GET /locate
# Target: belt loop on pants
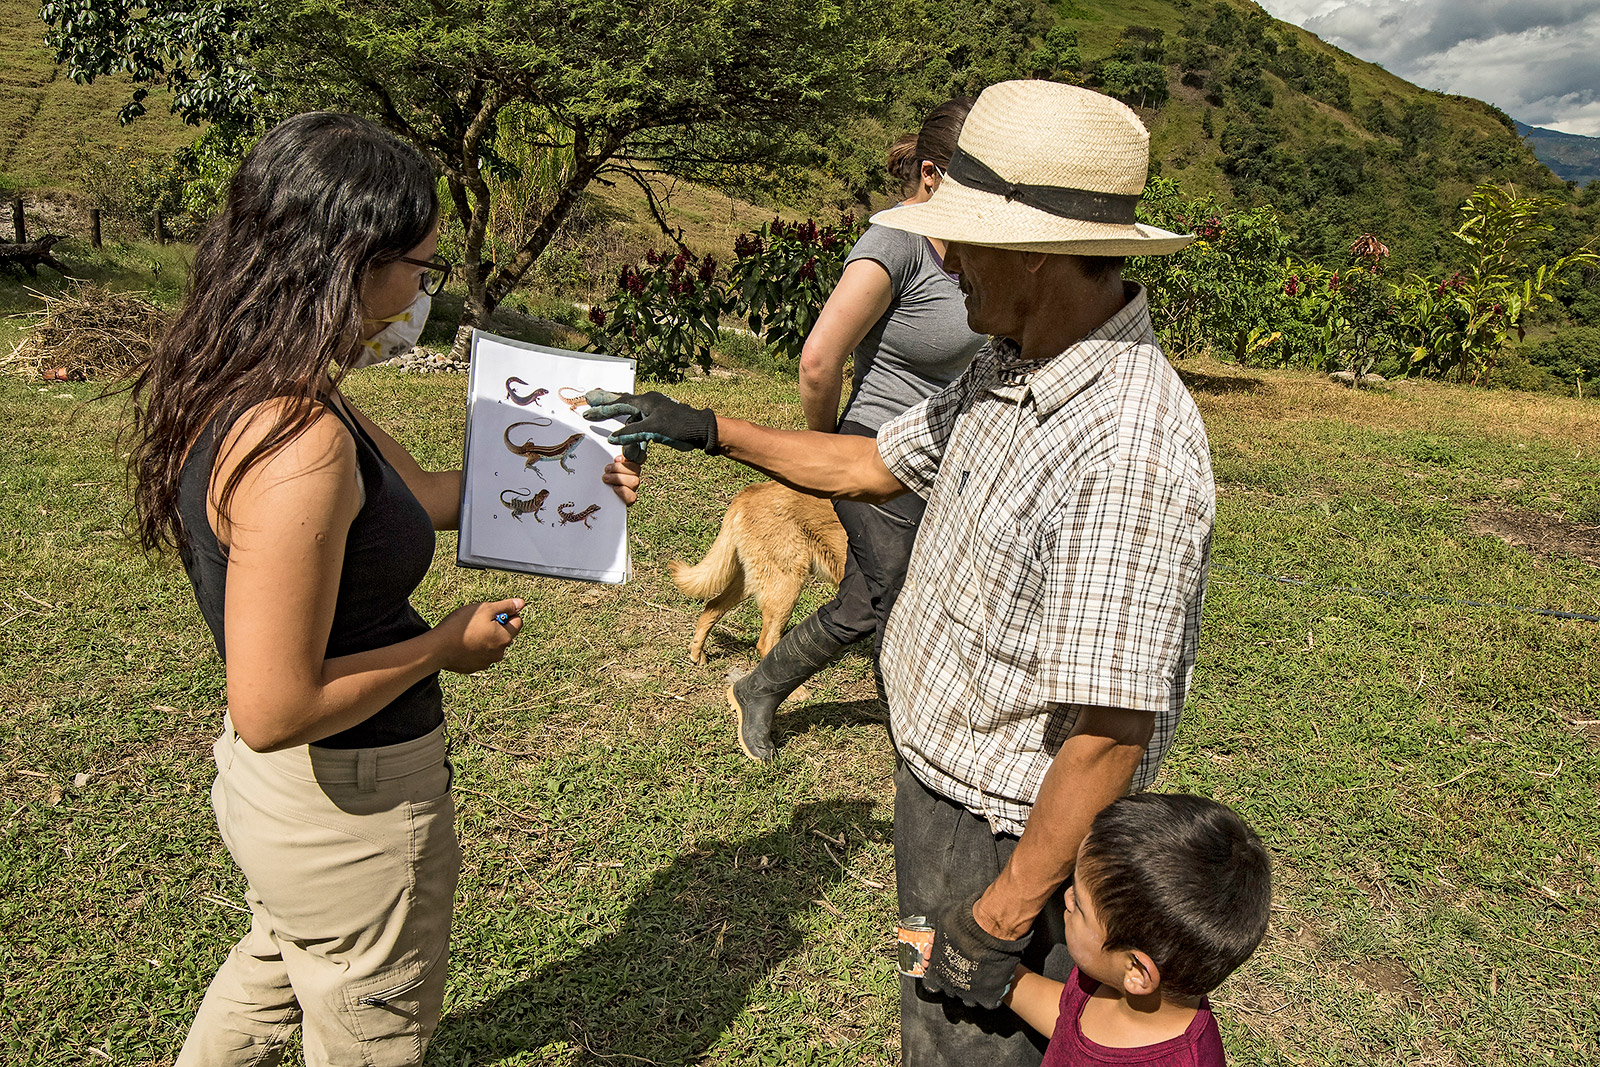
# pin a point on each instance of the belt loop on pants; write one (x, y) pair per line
(367, 770)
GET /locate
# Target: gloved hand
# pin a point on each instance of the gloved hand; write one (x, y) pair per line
(969, 963)
(654, 417)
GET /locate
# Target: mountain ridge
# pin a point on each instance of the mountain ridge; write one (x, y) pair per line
(1571, 157)
(1240, 106)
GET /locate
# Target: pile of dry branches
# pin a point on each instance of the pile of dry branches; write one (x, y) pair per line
(88, 332)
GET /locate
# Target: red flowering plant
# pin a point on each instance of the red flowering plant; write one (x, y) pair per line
(782, 274)
(664, 314)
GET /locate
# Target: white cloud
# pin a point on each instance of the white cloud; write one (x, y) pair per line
(1534, 59)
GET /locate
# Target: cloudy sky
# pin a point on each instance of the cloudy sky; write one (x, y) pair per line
(1538, 60)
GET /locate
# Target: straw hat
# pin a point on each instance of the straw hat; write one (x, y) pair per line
(1043, 167)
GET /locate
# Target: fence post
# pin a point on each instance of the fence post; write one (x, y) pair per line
(18, 222)
(161, 233)
(94, 227)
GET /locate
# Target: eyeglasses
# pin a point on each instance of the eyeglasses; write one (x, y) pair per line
(435, 276)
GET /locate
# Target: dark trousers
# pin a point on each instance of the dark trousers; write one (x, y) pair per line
(943, 854)
(881, 536)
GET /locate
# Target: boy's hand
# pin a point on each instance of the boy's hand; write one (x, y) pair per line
(968, 962)
(622, 475)
(654, 417)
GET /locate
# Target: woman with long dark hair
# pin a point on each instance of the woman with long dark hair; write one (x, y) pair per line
(304, 530)
(903, 320)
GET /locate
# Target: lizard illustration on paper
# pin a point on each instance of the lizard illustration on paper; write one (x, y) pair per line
(522, 504)
(576, 401)
(523, 400)
(582, 516)
(533, 453)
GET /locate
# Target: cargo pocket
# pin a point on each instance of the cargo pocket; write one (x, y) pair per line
(387, 1014)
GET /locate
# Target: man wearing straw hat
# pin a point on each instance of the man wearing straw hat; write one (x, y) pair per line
(1037, 660)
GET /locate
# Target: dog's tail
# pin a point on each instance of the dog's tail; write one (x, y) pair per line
(716, 571)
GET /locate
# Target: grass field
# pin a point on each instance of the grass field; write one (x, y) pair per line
(636, 892)
(48, 124)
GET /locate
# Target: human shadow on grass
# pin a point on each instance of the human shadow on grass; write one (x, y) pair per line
(689, 950)
(791, 723)
(1218, 384)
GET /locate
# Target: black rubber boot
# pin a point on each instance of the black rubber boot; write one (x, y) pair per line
(804, 651)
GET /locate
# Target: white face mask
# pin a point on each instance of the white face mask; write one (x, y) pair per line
(398, 337)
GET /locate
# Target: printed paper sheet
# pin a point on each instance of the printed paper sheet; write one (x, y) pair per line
(532, 498)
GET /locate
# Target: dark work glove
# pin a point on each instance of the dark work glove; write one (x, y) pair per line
(969, 963)
(654, 417)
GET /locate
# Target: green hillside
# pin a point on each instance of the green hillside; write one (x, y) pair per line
(1239, 105)
(48, 125)
(1260, 111)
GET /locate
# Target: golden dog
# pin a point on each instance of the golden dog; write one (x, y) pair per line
(772, 539)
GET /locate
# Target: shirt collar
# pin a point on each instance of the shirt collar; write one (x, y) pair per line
(1063, 377)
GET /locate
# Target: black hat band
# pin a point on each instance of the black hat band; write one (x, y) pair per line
(1080, 204)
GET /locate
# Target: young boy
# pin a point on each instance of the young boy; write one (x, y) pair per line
(1170, 894)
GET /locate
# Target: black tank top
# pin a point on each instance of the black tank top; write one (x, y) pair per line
(387, 553)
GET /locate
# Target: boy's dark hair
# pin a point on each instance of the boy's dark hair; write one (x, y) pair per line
(1182, 879)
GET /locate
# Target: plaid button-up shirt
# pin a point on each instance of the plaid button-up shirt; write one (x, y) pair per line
(1061, 562)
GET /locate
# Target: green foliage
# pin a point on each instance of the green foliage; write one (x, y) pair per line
(1140, 82)
(1460, 324)
(495, 92)
(782, 275)
(607, 88)
(129, 184)
(1236, 291)
(971, 44)
(211, 163)
(1224, 285)
(1058, 56)
(1316, 74)
(1569, 357)
(197, 49)
(663, 314)
(1135, 72)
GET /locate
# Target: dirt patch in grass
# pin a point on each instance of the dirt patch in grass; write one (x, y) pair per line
(1543, 535)
(1387, 976)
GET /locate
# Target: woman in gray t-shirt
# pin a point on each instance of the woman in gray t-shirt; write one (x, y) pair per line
(905, 322)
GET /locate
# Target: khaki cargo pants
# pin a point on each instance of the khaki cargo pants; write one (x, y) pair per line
(352, 861)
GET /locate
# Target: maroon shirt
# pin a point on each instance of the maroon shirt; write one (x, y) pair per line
(1198, 1046)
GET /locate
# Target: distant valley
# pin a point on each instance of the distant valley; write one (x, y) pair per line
(1571, 157)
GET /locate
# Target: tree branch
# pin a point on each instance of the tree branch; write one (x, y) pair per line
(657, 211)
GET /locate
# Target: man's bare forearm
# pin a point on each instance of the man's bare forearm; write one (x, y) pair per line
(1092, 769)
(838, 466)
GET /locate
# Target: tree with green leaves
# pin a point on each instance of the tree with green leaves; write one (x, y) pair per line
(1461, 324)
(606, 89)
(197, 49)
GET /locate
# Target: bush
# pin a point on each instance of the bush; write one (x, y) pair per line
(663, 315)
(1224, 291)
(129, 184)
(1515, 372)
(1570, 357)
(782, 275)
(665, 312)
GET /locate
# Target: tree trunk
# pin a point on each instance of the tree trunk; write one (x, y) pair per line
(30, 257)
(489, 283)
(508, 275)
